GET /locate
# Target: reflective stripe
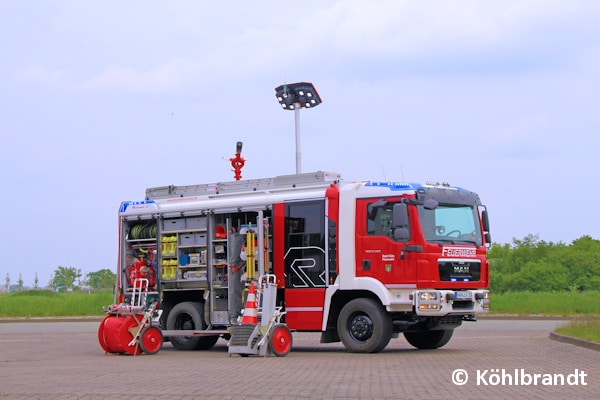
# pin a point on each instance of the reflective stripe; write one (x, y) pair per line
(298, 309)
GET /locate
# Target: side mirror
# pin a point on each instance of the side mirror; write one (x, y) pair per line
(400, 222)
(401, 234)
(488, 238)
(486, 227)
(400, 216)
(486, 221)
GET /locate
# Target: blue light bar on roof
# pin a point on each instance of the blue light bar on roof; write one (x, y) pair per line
(391, 185)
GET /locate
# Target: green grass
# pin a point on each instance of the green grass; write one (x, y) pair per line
(546, 303)
(45, 303)
(587, 330)
(569, 304)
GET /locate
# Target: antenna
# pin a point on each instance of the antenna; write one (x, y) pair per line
(383, 172)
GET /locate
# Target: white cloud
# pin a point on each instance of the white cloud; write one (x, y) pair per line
(161, 78)
(38, 75)
(182, 45)
(414, 28)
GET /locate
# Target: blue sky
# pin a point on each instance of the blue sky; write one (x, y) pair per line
(101, 99)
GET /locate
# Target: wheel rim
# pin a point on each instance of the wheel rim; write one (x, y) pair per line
(360, 327)
(185, 322)
(151, 340)
(281, 340)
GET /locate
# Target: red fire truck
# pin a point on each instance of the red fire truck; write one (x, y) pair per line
(360, 262)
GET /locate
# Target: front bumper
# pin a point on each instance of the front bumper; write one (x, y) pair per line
(433, 302)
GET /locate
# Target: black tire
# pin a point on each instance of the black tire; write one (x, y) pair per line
(189, 316)
(364, 326)
(429, 339)
(206, 342)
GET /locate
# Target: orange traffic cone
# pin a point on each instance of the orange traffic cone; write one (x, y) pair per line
(250, 316)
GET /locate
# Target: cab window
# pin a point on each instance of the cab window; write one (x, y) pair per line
(379, 219)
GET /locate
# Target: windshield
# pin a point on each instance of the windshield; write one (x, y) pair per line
(450, 223)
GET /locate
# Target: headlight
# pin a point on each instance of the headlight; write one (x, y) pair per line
(484, 298)
(486, 301)
(428, 296)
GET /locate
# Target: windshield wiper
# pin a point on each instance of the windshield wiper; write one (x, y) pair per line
(453, 241)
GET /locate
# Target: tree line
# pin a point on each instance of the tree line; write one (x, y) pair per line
(69, 279)
(531, 264)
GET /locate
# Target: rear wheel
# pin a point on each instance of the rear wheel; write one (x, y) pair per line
(206, 342)
(189, 316)
(364, 326)
(429, 339)
(280, 340)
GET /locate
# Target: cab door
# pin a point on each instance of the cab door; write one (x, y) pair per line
(378, 253)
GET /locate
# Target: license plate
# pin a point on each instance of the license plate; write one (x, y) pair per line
(463, 295)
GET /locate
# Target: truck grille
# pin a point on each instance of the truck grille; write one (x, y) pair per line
(459, 271)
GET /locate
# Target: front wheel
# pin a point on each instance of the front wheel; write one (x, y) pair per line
(364, 326)
(429, 339)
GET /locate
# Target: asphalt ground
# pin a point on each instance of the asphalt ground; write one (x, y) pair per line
(510, 359)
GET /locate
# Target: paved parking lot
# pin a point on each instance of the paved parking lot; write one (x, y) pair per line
(500, 359)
